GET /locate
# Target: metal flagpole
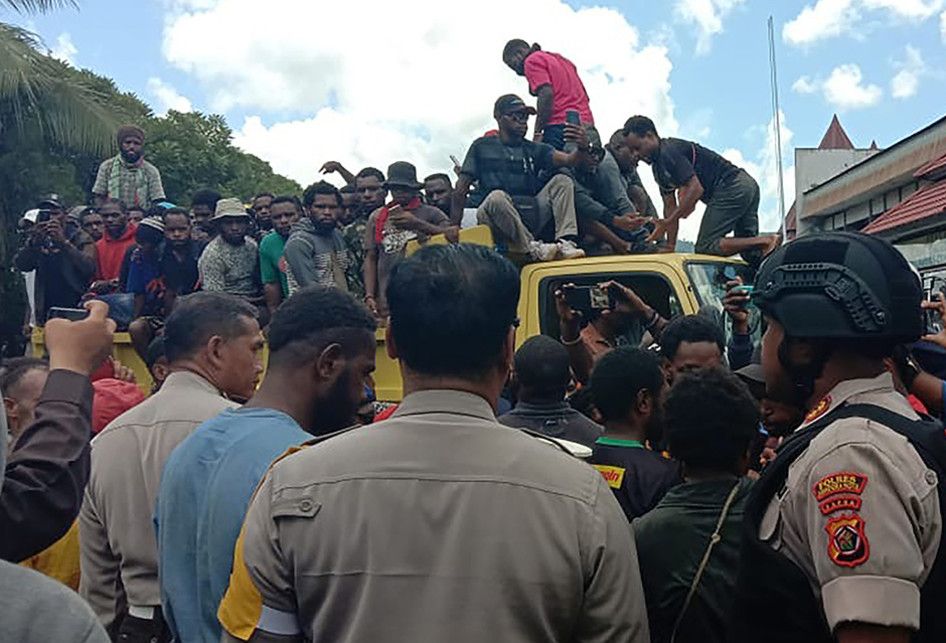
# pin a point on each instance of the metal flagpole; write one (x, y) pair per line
(777, 120)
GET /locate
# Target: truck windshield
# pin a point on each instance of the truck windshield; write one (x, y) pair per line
(709, 282)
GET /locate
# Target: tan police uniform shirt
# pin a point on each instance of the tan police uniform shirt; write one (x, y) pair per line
(438, 524)
(118, 550)
(859, 513)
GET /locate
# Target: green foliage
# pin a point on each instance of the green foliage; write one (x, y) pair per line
(194, 150)
(57, 124)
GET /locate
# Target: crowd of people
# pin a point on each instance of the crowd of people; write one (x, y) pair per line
(636, 478)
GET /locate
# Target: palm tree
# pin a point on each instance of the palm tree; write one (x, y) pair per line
(70, 113)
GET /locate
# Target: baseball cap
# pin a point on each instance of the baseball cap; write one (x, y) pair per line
(50, 201)
(510, 103)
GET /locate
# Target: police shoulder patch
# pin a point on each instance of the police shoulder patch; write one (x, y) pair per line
(847, 541)
(614, 476)
(842, 482)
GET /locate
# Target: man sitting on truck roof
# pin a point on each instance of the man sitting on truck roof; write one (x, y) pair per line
(519, 206)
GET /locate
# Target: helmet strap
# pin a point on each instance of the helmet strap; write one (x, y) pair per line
(804, 376)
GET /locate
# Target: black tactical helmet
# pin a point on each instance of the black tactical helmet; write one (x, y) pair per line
(841, 285)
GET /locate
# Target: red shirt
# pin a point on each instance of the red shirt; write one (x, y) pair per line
(112, 252)
(545, 68)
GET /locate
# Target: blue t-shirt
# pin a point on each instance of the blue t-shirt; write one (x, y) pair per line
(144, 278)
(206, 488)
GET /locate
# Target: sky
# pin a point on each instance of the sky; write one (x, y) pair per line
(302, 82)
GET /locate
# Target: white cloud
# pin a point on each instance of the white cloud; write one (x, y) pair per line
(824, 19)
(167, 97)
(907, 80)
(909, 9)
(707, 16)
(831, 18)
(417, 85)
(763, 167)
(845, 89)
(805, 85)
(65, 50)
(942, 26)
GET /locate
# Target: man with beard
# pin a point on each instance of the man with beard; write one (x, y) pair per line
(627, 387)
(230, 263)
(322, 350)
(843, 530)
(284, 212)
(522, 205)
(128, 177)
(203, 206)
(439, 191)
(315, 252)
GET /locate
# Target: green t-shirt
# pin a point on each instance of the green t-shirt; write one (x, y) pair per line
(272, 265)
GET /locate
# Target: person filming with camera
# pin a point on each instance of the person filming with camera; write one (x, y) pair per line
(62, 255)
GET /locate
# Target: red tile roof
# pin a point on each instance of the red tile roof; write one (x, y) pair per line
(835, 138)
(931, 167)
(924, 203)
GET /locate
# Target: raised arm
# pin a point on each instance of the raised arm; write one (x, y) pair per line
(458, 200)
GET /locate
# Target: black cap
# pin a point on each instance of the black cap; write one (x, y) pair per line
(50, 202)
(509, 104)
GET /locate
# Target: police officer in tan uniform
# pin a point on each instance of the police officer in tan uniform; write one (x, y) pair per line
(843, 529)
(438, 524)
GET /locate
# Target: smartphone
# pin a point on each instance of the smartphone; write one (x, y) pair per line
(586, 299)
(44, 216)
(72, 314)
(931, 319)
(572, 117)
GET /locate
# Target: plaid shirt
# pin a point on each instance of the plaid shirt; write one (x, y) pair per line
(138, 184)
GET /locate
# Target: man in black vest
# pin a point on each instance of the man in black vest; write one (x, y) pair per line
(842, 532)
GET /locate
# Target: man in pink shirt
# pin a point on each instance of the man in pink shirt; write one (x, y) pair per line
(554, 81)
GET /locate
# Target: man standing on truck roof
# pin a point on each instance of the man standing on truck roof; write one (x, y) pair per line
(688, 172)
(518, 207)
(508, 532)
(554, 81)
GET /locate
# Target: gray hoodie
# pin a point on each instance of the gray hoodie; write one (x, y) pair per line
(315, 259)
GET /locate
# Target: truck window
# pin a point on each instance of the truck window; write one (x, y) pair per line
(651, 287)
(709, 283)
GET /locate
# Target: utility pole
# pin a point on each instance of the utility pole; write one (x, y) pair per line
(777, 120)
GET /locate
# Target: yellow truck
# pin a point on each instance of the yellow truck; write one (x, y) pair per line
(672, 283)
